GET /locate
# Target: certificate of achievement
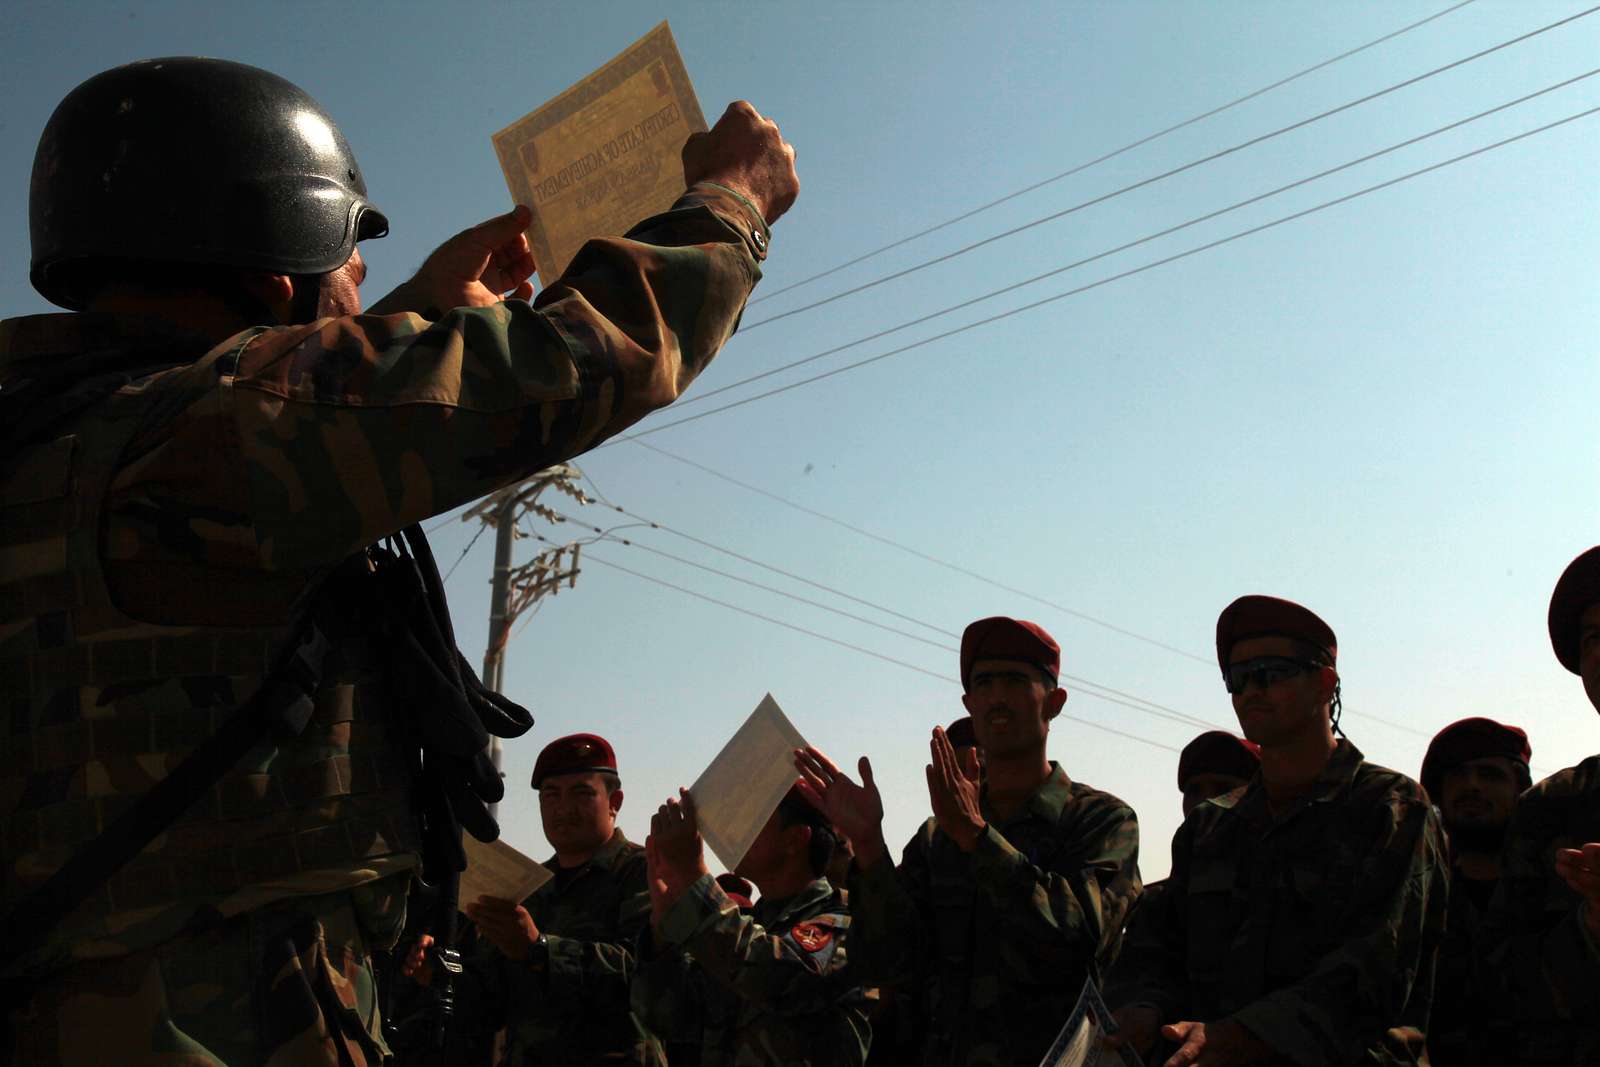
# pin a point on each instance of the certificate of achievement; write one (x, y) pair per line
(1078, 1043)
(498, 870)
(743, 786)
(604, 154)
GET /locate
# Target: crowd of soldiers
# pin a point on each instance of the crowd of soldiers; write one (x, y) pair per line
(238, 727)
(1320, 910)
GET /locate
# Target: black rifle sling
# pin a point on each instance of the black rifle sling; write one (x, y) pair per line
(282, 703)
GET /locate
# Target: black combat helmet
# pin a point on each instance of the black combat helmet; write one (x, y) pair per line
(188, 160)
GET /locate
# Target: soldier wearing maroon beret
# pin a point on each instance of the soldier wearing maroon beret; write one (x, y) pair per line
(1303, 913)
(1542, 934)
(1215, 763)
(1019, 884)
(559, 965)
(1473, 771)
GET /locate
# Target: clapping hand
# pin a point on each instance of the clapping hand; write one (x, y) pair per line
(857, 810)
(953, 791)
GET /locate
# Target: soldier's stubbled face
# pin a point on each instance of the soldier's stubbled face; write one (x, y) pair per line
(1288, 709)
(1589, 652)
(1476, 801)
(578, 813)
(1011, 705)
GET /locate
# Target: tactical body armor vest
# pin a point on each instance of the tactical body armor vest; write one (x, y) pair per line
(100, 705)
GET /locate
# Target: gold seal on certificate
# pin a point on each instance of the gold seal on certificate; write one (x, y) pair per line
(605, 153)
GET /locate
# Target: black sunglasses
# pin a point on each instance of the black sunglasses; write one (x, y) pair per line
(1264, 671)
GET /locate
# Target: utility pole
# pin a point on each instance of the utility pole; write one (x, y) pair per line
(515, 589)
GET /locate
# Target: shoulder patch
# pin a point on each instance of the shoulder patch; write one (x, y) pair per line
(813, 937)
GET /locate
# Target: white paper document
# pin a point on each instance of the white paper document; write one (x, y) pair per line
(743, 786)
(498, 870)
(1078, 1043)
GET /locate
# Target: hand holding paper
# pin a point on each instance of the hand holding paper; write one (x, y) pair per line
(506, 925)
(745, 152)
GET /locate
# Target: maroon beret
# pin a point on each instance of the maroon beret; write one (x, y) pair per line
(999, 637)
(1218, 752)
(1471, 739)
(738, 888)
(960, 733)
(574, 754)
(1576, 592)
(1267, 616)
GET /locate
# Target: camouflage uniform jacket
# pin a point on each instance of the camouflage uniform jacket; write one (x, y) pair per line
(1541, 969)
(771, 988)
(572, 1008)
(155, 543)
(1316, 928)
(1455, 1026)
(1008, 933)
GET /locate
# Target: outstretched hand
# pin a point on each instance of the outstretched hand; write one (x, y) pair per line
(856, 810)
(1223, 1043)
(477, 267)
(745, 152)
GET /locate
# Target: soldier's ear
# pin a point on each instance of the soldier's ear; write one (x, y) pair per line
(275, 292)
(616, 801)
(1054, 701)
(801, 841)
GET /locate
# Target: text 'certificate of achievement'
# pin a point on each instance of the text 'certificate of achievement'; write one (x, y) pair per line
(605, 154)
(498, 870)
(1078, 1043)
(741, 789)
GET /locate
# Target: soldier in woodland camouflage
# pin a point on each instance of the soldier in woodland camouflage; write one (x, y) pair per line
(1015, 890)
(1540, 969)
(186, 458)
(1303, 914)
(1473, 771)
(768, 988)
(555, 969)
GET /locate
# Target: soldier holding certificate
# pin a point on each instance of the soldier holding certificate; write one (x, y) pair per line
(558, 972)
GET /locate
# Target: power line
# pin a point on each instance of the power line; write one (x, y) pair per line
(1091, 687)
(1251, 231)
(852, 647)
(1113, 154)
(1163, 175)
(986, 579)
(1167, 232)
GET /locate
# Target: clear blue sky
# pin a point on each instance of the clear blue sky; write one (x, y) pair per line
(1386, 410)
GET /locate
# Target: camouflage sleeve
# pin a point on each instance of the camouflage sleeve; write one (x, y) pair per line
(373, 422)
(1539, 965)
(592, 977)
(668, 994)
(794, 973)
(1150, 969)
(1355, 994)
(889, 907)
(1065, 921)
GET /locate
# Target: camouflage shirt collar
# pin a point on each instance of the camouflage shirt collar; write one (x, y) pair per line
(56, 337)
(1045, 802)
(605, 856)
(1336, 777)
(777, 912)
